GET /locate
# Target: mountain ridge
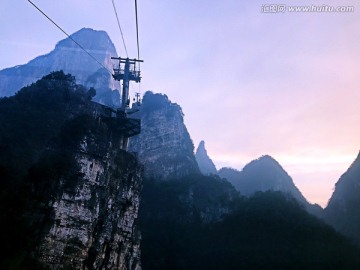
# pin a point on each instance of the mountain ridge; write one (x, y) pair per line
(343, 211)
(264, 174)
(70, 58)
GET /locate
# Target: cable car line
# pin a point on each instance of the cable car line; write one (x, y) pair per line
(137, 39)
(118, 21)
(62, 30)
(137, 29)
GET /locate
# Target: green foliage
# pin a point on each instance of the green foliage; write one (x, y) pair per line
(190, 199)
(153, 102)
(41, 128)
(265, 231)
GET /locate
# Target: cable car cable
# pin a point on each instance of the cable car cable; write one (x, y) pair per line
(118, 21)
(137, 39)
(137, 29)
(62, 30)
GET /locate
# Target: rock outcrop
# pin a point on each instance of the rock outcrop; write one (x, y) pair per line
(70, 58)
(206, 165)
(164, 145)
(94, 221)
(75, 193)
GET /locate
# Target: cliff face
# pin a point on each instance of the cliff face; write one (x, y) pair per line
(206, 165)
(67, 56)
(93, 224)
(164, 145)
(73, 194)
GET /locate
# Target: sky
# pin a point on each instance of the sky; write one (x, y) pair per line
(250, 82)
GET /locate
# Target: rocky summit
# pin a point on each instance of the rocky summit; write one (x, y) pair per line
(206, 165)
(164, 145)
(70, 58)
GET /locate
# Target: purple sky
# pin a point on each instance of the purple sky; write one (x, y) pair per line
(250, 83)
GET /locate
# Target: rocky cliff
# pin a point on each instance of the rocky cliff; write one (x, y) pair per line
(206, 165)
(164, 145)
(70, 58)
(93, 223)
(74, 193)
(343, 210)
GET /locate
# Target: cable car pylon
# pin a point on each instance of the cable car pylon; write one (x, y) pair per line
(127, 70)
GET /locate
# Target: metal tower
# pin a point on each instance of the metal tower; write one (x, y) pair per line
(127, 70)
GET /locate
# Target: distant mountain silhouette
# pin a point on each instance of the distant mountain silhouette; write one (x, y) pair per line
(231, 175)
(343, 209)
(206, 165)
(67, 56)
(264, 174)
(181, 229)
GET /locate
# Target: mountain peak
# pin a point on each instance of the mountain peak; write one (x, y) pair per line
(69, 57)
(164, 145)
(88, 38)
(267, 159)
(206, 165)
(201, 145)
(262, 174)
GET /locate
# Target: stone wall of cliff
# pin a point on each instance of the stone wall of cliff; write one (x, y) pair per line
(93, 221)
(69, 196)
(164, 145)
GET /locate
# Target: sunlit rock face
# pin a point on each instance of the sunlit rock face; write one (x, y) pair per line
(343, 211)
(70, 58)
(206, 165)
(94, 217)
(164, 145)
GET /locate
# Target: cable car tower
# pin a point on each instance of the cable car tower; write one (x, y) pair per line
(127, 70)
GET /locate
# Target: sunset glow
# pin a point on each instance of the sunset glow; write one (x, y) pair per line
(249, 82)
